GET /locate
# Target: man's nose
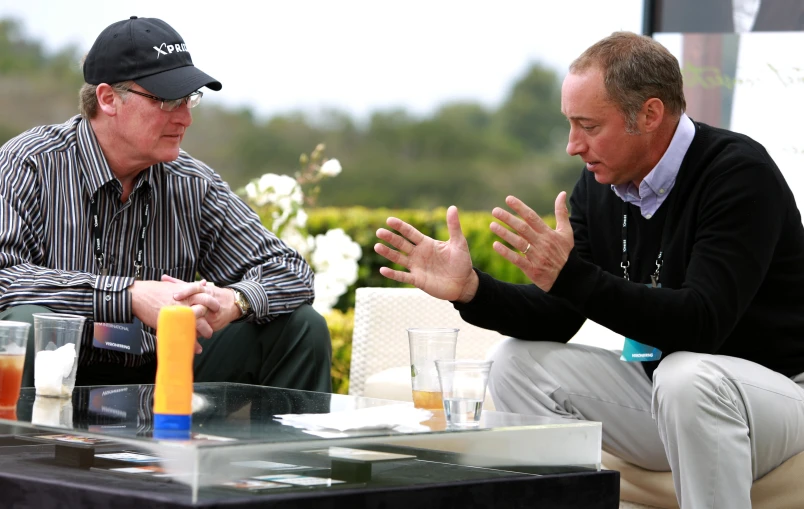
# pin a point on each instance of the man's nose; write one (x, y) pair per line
(182, 115)
(575, 144)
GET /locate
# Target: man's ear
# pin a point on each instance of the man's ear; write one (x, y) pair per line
(652, 114)
(108, 100)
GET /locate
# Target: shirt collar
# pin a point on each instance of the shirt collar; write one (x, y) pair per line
(663, 175)
(95, 167)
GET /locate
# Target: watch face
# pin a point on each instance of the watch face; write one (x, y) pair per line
(241, 302)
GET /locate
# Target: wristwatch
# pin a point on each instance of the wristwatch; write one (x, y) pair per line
(241, 302)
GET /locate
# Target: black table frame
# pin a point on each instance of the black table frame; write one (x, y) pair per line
(31, 477)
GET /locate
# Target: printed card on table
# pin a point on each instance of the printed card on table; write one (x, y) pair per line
(72, 439)
(150, 469)
(269, 465)
(346, 453)
(253, 485)
(300, 480)
(129, 457)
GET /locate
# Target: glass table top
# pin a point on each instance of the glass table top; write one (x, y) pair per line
(228, 412)
(235, 427)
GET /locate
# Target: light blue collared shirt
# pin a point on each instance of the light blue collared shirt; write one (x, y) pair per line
(655, 187)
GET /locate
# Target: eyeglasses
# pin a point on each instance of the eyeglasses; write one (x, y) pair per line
(192, 100)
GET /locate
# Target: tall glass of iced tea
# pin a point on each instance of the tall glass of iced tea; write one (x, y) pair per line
(427, 346)
(13, 342)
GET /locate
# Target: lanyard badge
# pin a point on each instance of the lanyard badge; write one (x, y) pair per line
(122, 337)
(97, 238)
(634, 351)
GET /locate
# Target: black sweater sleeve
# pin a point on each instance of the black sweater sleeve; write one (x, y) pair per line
(525, 311)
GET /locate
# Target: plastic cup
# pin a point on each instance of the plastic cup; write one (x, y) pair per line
(463, 386)
(13, 342)
(427, 346)
(57, 340)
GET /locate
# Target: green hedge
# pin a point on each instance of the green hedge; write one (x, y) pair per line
(340, 327)
(361, 224)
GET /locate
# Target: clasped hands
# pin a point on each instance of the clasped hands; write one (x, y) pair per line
(444, 269)
(214, 307)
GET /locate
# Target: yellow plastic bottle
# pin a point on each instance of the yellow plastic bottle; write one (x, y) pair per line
(173, 393)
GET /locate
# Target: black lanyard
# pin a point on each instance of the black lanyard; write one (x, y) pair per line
(625, 264)
(97, 237)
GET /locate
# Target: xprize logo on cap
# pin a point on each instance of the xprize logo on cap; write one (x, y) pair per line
(169, 48)
(137, 49)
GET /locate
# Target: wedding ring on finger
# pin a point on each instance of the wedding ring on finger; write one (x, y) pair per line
(526, 250)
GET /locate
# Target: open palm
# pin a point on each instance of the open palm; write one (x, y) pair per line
(441, 269)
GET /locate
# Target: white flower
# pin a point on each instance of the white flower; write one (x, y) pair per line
(327, 292)
(297, 240)
(331, 168)
(301, 218)
(335, 260)
(334, 248)
(333, 256)
(281, 190)
(251, 191)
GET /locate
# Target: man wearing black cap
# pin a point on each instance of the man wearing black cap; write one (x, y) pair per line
(105, 217)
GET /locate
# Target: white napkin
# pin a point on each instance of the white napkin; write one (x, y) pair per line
(56, 412)
(51, 367)
(403, 418)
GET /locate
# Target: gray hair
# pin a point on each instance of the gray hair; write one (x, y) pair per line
(88, 99)
(635, 68)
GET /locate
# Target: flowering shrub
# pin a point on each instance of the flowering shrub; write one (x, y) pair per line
(333, 255)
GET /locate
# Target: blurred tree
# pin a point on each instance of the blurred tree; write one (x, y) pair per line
(16, 53)
(532, 112)
(464, 153)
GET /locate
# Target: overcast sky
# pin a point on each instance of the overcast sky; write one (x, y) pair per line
(358, 56)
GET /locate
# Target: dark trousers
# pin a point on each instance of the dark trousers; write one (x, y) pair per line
(292, 351)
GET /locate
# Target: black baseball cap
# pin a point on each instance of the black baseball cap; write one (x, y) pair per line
(149, 52)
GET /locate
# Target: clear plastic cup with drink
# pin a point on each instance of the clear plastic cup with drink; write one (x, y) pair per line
(427, 346)
(13, 342)
(463, 386)
(57, 341)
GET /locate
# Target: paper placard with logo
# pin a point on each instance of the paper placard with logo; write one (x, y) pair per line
(123, 337)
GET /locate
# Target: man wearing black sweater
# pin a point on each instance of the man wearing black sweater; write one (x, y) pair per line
(683, 238)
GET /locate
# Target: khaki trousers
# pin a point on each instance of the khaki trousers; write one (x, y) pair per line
(717, 422)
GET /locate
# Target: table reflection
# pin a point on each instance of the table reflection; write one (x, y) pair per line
(229, 410)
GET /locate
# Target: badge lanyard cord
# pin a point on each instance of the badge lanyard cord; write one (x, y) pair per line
(97, 237)
(625, 264)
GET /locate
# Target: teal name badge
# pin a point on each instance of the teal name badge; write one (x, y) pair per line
(634, 351)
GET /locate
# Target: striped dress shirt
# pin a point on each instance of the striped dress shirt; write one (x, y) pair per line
(198, 227)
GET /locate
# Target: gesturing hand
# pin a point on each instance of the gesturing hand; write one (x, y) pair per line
(441, 269)
(544, 250)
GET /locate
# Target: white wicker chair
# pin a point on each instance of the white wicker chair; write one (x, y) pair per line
(381, 369)
(380, 341)
(380, 356)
